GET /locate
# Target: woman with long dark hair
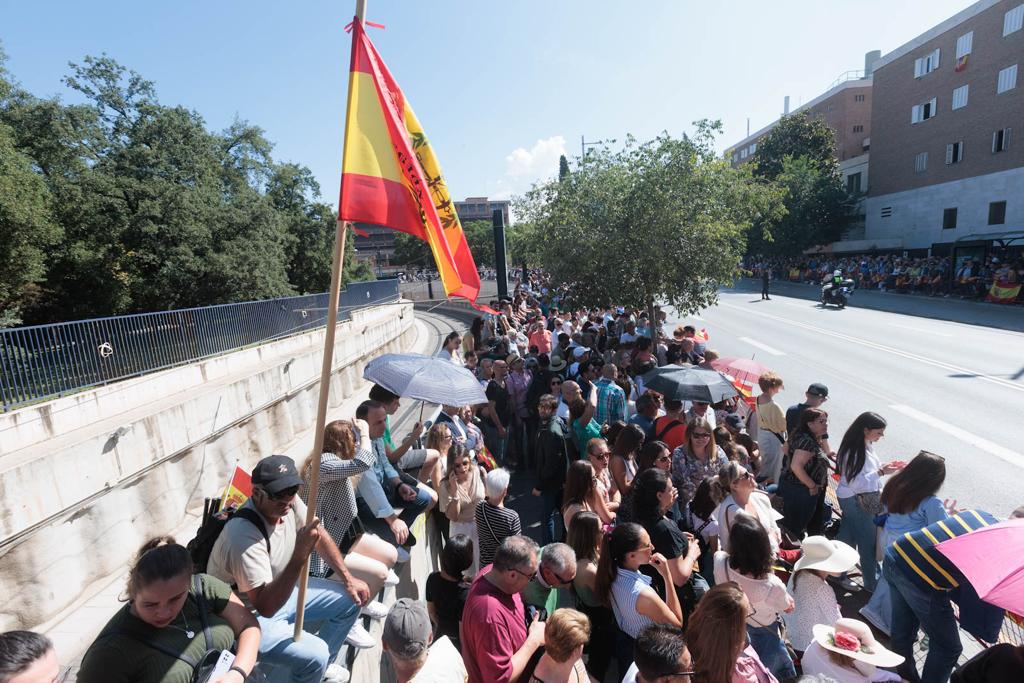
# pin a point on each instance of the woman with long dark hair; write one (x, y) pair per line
(860, 490)
(621, 585)
(473, 339)
(450, 348)
(804, 472)
(717, 639)
(625, 447)
(585, 535)
(748, 562)
(581, 493)
(911, 503)
(654, 496)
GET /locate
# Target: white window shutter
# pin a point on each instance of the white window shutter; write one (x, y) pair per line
(914, 114)
(935, 59)
(995, 139)
(934, 109)
(949, 154)
(918, 67)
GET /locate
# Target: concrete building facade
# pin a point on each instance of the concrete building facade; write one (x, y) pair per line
(947, 170)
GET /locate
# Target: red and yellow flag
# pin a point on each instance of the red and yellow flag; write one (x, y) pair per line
(1003, 292)
(390, 176)
(238, 489)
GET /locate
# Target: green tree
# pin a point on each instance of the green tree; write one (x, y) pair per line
(563, 168)
(663, 220)
(412, 252)
(796, 135)
(799, 156)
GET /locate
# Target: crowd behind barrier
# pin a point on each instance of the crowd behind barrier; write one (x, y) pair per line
(681, 539)
(992, 278)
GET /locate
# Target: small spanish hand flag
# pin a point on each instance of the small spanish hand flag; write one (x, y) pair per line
(390, 176)
(238, 489)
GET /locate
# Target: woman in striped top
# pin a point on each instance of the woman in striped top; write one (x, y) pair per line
(620, 584)
(495, 522)
(346, 455)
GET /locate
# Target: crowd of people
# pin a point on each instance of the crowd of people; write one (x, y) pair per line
(931, 275)
(679, 541)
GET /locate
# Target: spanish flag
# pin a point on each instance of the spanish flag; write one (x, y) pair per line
(1003, 292)
(238, 489)
(390, 176)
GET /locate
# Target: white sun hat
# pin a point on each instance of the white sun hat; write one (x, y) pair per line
(825, 555)
(854, 639)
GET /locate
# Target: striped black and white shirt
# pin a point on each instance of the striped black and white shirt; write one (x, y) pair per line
(493, 525)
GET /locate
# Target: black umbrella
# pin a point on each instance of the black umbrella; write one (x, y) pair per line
(687, 383)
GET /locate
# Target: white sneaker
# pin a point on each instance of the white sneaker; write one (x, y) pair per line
(360, 638)
(392, 579)
(403, 555)
(336, 673)
(375, 610)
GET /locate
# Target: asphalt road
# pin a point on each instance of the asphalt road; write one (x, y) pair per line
(951, 388)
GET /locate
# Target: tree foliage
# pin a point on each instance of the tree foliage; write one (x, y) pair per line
(139, 206)
(799, 156)
(663, 220)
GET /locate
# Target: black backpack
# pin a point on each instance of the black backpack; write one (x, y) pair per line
(214, 521)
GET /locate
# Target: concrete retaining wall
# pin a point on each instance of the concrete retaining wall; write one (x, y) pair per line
(85, 479)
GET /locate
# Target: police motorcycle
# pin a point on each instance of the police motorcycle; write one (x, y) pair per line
(837, 290)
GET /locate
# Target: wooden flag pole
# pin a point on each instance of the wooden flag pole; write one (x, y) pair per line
(325, 370)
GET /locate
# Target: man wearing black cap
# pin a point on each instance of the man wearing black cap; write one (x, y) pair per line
(264, 565)
(814, 397)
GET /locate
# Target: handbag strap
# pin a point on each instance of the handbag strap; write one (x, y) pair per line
(489, 529)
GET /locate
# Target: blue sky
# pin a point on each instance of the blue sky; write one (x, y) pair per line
(502, 88)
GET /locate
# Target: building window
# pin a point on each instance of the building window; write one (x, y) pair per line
(886, 211)
(753, 147)
(1013, 20)
(858, 129)
(997, 213)
(921, 162)
(744, 153)
(955, 152)
(735, 158)
(949, 219)
(858, 98)
(1007, 79)
(960, 97)
(923, 112)
(964, 44)
(853, 183)
(927, 64)
(1000, 140)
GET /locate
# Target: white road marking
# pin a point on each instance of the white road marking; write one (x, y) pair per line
(995, 449)
(921, 329)
(1007, 384)
(763, 347)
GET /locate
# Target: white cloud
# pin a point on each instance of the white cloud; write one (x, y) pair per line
(524, 167)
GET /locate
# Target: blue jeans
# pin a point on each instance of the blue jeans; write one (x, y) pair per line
(550, 518)
(879, 608)
(496, 444)
(798, 506)
(913, 606)
(767, 643)
(330, 613)
(858, 529)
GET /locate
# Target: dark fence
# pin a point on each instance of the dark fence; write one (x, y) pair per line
(47, 361)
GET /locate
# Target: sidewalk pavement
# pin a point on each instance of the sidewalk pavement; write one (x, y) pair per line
(952, 308)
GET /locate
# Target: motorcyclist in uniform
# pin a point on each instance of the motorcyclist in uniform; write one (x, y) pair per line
(831, 283)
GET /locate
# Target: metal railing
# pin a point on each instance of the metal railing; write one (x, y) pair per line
(40, 362)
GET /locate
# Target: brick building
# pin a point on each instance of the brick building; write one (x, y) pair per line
(947, 169)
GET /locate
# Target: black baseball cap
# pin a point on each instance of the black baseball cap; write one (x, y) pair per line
(817, 389)
(275, 473)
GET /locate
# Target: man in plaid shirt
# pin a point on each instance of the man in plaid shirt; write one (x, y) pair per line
(611, 399)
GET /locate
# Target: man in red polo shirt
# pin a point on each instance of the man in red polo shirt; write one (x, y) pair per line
(496, 643)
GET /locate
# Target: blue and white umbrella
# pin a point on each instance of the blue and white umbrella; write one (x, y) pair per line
(425, 378)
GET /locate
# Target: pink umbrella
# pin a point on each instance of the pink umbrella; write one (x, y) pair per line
(992, 559)
(742, 369)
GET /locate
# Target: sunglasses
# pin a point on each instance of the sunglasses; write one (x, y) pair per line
(281, 495)
(556, 383)
(701, 435)
(600, 456)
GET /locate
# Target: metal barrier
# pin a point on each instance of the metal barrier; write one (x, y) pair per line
(47, 361)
